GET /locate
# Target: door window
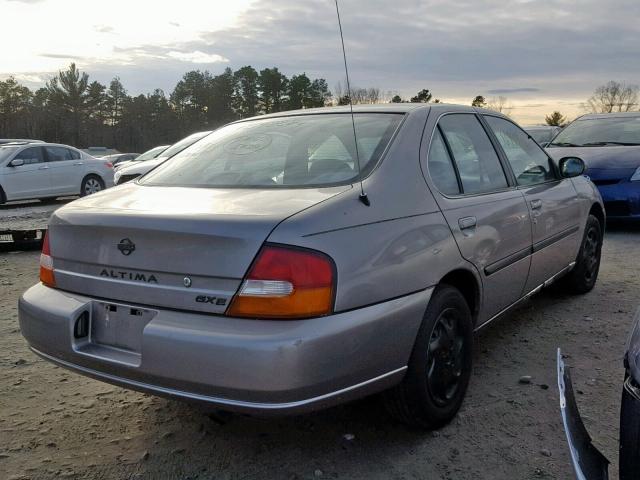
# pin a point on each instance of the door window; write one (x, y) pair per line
(58, 154)
(477, 161)
(441, 167)
(30, 155)
(528, 161)
(75, 155)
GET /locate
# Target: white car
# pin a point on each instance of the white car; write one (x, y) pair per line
(50, 170)
(136, 168)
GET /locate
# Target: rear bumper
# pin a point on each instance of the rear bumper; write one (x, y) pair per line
(236, 364)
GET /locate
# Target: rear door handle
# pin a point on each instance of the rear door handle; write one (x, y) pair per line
(43, 168)
(466, 223)
(536, 204)
(79, 163)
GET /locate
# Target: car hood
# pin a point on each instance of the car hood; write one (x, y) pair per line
(601, 157)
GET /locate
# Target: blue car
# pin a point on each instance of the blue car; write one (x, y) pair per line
(609, 144)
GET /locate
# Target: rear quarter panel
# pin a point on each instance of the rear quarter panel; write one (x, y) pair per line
(398, 245)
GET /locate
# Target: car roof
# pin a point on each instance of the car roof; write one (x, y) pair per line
(378, 108)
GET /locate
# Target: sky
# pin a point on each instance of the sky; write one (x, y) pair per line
(543, 55)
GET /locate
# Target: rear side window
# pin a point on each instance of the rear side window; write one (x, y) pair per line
(285, 152)
(30, 155)
(58, 154)
(441, 167)
(478, 164)
(529, 163)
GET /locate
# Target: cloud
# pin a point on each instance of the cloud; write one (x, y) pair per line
(103, 29)
(60, 55)
(507, 91)
(197, 57)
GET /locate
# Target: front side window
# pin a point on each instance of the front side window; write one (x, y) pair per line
(285, 152)
(477, 161)
(30, 155)
(529, 163)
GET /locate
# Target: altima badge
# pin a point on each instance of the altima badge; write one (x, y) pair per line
(187, 282)
(126, 247)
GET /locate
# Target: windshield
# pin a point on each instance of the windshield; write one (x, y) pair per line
(182, 144)
(296, 151)
(153, 153)
(5, 152)
(541, 135)
(595, 132)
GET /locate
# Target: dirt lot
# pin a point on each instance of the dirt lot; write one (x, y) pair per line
(54, 423)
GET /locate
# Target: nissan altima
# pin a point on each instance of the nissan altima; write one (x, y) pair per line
(298, 260)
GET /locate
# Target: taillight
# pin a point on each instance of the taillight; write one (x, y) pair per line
(286, 283)
(46, 263)
(108, 164)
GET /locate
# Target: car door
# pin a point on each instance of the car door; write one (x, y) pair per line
(29, 180)
(486, 213)
(66, 169)
(552, 201)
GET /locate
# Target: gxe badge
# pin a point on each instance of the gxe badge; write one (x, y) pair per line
(126, 246)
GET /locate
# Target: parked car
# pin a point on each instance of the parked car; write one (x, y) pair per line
(137, 169)
(588, 462)
(254, 271)
(148, 155)
(18, 140)
(50, 170)
(609, 144)
(117, 158)
(543, 134)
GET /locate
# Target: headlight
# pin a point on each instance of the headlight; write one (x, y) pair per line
(117, 176)
(636, 176)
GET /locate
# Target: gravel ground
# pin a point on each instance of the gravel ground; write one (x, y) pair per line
(29, 214)
(56, 424)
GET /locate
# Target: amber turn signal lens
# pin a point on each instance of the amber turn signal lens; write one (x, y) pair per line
(46, 263)
(286, 283)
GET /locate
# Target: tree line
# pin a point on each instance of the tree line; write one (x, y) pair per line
(72, 109)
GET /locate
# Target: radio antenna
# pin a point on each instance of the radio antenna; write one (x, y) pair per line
(363, 196)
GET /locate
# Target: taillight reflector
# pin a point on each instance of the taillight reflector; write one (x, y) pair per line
(46, 263)
(286, 283)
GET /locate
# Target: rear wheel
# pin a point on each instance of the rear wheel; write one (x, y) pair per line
(583, 277)
(3, 198)
(91, 184)
(439, 369)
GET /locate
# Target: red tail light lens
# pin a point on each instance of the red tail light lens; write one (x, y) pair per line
(46, 263)
(108, 164)
(286, 283)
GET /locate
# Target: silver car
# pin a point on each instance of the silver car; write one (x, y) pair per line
(253, 271)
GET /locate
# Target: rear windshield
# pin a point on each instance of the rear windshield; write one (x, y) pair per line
(596, 132)
(296, 151)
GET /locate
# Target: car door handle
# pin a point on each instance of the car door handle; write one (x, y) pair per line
(79, 163)
(466, 223)
(536, 204)
(45, 167)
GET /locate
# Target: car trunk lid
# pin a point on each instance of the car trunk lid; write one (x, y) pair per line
(182, 248)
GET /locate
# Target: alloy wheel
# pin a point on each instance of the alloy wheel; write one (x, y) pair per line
(445, 357)
(92, 185)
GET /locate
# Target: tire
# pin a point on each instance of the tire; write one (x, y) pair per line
(583, 277)
(3, 197)
(629, 433)
(91, 184)
(420, 400)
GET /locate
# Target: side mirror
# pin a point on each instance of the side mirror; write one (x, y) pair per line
(571, 167)
(18, 162)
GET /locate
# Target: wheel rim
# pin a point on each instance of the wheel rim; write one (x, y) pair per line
(445, 357)
(92, 186)
(591, 253)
